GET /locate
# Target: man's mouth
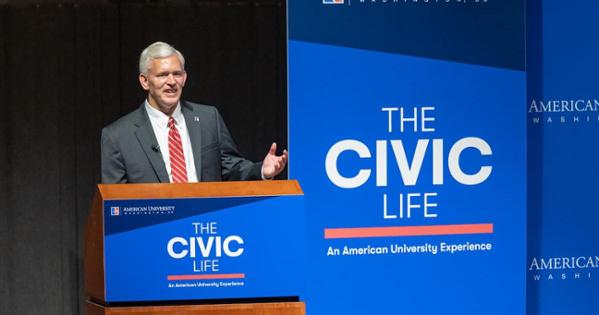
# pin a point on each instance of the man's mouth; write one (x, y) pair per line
(170, 91)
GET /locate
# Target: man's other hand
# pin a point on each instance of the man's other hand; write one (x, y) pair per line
(274, 164)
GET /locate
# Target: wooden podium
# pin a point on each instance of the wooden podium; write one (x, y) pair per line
(286, 308)
(94, 252)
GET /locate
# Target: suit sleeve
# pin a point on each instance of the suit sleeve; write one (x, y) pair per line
(233, 165)
(112, 165)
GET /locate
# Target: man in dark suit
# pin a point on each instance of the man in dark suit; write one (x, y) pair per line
(169, 140)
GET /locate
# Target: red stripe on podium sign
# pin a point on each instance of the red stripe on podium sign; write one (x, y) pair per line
(208, 276)
(424, 230)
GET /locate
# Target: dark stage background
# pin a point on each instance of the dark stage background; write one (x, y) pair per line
(69, 69)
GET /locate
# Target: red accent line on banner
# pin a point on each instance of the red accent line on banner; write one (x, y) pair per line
(207, 276)
(424, 230)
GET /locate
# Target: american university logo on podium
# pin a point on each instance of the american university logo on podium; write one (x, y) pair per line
(115, 211)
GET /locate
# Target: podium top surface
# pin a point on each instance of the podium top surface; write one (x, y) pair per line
(203, 189)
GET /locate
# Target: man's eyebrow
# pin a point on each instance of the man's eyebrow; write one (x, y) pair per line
(173, 72)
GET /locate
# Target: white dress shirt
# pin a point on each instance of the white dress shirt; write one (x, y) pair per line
(159, 122)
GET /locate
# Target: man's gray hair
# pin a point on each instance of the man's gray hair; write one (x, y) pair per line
(158, 50)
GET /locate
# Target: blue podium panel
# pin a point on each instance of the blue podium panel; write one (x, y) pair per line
(203, 248)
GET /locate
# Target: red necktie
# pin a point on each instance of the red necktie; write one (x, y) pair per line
(175, 152)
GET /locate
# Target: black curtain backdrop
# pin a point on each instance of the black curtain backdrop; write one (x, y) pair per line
(67, 70)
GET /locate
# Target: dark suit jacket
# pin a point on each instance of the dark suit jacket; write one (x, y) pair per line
(130, 152)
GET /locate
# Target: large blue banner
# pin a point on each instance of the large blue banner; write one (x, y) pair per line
(203, 248)
(408, 137)
(563, 126)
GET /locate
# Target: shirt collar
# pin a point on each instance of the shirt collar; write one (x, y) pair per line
(161, 118)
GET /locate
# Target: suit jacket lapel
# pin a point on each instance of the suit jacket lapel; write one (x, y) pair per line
(147, 139)
(192, 121)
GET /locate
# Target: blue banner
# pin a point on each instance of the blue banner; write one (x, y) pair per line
(203, 248)
(563, 137)
(409, 140)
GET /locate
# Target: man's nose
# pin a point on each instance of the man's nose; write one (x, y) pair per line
(170, 80)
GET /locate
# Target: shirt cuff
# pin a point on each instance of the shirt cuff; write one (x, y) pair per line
(262, 173)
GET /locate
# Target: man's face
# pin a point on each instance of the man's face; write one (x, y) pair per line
(164, 82)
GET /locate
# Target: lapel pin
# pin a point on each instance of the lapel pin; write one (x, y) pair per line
(196, 118)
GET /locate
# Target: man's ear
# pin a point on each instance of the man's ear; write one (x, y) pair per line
(184, 79)
(143, 81)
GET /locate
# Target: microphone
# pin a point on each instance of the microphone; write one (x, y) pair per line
(155, 148)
